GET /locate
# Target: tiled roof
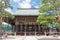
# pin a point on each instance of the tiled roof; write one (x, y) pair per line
(27, 12)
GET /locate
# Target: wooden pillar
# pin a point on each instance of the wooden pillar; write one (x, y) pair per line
(25, 30)
(15, 29)
(25, 26)
(45, 33)
(39, 30)
(35, 29)
(39, 27)
(15, 33)
(21, 27)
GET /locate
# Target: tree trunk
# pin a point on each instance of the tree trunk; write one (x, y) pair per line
(0, 26)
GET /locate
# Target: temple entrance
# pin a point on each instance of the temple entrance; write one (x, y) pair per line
(28, 30)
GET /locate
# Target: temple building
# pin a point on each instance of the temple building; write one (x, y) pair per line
(25, 22)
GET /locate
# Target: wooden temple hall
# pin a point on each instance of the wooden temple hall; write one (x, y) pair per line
(25, 22)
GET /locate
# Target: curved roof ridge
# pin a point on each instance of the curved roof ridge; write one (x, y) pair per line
(27, 8)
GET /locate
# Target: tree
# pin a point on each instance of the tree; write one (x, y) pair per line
(45, 20)
(50, 6)
(3, 5)
(52, 9)
(3, 13)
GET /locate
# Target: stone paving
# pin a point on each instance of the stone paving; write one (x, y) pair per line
(31, 38)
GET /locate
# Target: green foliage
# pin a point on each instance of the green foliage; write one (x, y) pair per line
(0, 24)
(46, 19)
(3, 12)
(57, 3)
(58, 26)
(44, 1)
(57, 12)
(46, 8)
(49, 5)
(1, 5)
(8, 5)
